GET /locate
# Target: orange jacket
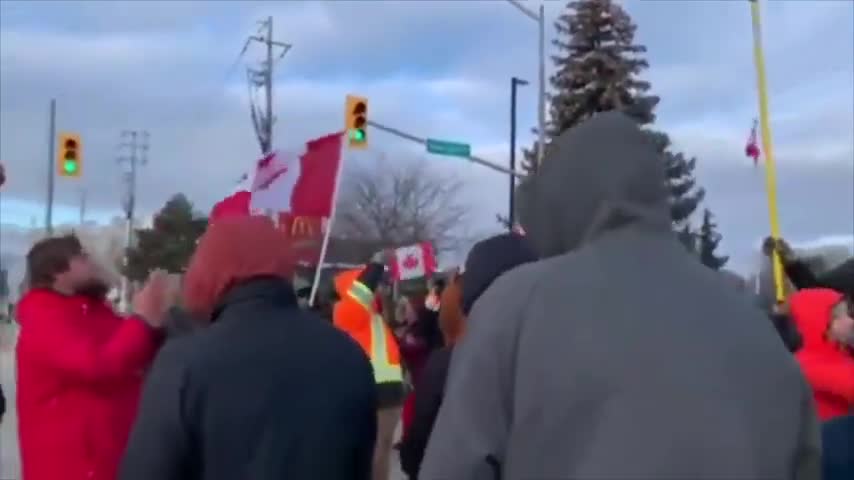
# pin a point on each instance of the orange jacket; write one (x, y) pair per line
(352, 317)
(828, 368)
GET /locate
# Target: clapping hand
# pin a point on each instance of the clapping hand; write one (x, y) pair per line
(156, 297)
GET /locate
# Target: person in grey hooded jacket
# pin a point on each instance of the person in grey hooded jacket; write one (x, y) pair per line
(619, 355)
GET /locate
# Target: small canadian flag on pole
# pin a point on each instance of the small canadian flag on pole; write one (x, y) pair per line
(752, 148)
(414, 261)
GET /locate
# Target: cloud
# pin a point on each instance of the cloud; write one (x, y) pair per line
(436, 69)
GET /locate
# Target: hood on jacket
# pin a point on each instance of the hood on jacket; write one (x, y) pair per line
(344, 280)
(347, 313)
(488, 260)
(811, 311)
(840, 278)
(38, 300)
(231, 251)
(451, 316)
(601, 175)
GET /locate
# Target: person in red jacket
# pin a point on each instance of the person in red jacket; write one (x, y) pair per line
(80, 365)
(824, 321)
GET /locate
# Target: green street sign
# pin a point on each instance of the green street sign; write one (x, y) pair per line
(451, 149)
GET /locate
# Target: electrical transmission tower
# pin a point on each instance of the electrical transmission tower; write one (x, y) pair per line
(261, 78)
(134, 148)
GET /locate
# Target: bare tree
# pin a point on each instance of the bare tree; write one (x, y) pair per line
(402, 204)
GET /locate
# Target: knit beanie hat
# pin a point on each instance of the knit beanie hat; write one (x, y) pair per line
(488, 260)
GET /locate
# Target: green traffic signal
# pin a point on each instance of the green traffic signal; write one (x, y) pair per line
(69, 166)
(357, 135)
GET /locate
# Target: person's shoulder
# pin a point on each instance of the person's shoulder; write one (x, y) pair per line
(40, 300)
(179, 350)
(518, 282)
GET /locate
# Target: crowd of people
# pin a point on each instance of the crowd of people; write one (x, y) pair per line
(593, 346)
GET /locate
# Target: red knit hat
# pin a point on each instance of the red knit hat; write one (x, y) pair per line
(232, 250)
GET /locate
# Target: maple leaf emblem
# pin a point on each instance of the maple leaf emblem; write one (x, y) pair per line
(410, 262)
(271, 176)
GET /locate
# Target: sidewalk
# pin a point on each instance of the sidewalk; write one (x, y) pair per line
(9, 462)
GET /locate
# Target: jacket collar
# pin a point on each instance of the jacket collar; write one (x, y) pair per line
(275, 290)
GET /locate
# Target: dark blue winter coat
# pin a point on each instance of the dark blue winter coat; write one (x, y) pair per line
(838, 453)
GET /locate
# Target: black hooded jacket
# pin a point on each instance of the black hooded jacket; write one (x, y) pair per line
(267, 391)
(840, 278)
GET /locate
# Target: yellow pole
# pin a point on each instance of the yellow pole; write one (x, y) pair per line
(767, 147)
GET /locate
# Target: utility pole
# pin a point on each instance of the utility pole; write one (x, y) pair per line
(82, 206)
(51, 153)
(262, 77)
(135, 145)
(511, 214)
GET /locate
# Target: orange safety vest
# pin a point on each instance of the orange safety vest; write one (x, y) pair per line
(355, 314)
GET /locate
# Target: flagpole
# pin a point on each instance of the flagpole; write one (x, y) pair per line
(325, 245)
(767, 147)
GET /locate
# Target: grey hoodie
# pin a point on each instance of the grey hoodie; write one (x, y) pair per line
(618, 356)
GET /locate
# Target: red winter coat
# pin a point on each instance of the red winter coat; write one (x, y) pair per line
(80, 369)
(828, 367)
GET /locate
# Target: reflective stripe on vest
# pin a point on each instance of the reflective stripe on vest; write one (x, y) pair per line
(384, 370)
(362, 294)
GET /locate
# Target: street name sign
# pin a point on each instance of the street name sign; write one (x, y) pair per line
(450, 149)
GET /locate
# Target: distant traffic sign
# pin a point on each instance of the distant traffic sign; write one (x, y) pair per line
(451, 149)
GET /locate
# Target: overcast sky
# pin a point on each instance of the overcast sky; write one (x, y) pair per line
(438, 69)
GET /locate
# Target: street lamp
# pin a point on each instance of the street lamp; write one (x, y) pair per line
(540, 18)
(514, 83)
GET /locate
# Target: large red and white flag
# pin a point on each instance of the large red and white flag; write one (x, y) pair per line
(414, 261)
(300, 184)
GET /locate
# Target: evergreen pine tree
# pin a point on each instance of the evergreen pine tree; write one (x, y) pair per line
(708, 239)
(170, 242)
(597, 68)
(685, 196)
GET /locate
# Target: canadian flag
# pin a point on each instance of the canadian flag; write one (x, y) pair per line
(301, 184)
(752, 148)
(413, 261)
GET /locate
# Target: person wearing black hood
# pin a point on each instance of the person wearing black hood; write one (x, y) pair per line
(487, 260)
(840, 278)
(618, 355)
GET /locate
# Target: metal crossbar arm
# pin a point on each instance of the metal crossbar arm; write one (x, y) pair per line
(422, 141)
(528, 13)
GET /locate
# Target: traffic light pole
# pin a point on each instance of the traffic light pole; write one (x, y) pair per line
(51, 174)
(423, 141)
(540, 18)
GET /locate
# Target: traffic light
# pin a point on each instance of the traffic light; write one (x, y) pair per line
(69, 155)
(356, 116)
